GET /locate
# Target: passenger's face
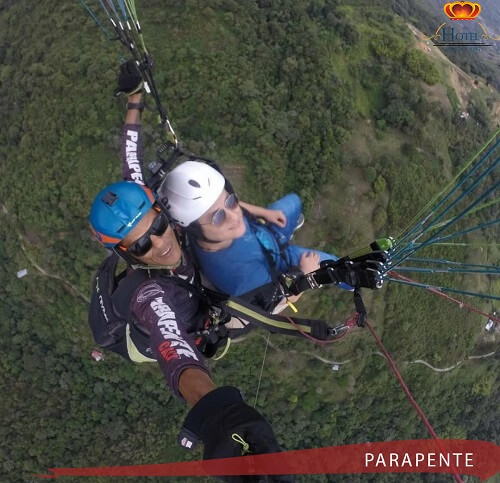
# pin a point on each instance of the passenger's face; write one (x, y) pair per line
(232, 225)
(165, 249)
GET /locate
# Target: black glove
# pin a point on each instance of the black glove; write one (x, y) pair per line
(379, 256)
(363, 272)
(228, 427)
(129, 79)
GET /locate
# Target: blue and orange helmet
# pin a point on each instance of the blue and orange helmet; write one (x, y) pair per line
(117, 209)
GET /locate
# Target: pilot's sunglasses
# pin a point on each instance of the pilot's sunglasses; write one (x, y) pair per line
(143, 244)
(219, 217)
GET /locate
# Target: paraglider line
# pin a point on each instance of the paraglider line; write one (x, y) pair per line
(463, 213)
(438, 291)
(450, 184)
(435, 208)
(261, 370)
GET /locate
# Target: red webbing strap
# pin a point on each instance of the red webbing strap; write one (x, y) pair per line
(414, 403)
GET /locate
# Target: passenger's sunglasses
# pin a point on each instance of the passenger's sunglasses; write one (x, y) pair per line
(143, 244)
(219, 217)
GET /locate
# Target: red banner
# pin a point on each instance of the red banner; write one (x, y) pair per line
(477, 458)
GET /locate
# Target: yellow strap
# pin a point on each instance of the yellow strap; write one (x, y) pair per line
(224, 352)
(266, 320)
(133, 352)
(290, 304)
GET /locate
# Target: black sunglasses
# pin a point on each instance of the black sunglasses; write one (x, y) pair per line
(143, 244)
(219, 217)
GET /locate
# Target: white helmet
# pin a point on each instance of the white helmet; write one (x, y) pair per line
(190, 190)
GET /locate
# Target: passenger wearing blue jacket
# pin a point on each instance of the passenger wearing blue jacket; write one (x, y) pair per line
(238, 246)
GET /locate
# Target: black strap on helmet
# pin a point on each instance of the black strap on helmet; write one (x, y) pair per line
(167, 155)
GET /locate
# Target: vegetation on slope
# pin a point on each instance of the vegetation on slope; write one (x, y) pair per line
(303, 95)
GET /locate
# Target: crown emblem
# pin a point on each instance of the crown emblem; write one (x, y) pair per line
(462, 10)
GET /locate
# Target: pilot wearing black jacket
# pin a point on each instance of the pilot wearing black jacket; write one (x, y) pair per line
(127, 219)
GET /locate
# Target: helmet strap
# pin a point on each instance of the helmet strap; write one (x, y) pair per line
(158, 267)
(136, 264)
(128, 259)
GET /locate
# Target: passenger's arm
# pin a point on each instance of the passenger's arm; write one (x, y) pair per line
(271, 216)
(309, 262)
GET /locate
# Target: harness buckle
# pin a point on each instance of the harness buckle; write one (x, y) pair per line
(312, 281)
(215, 314)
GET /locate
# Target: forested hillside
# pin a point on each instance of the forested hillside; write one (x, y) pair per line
(427, 15)
(334, 102)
